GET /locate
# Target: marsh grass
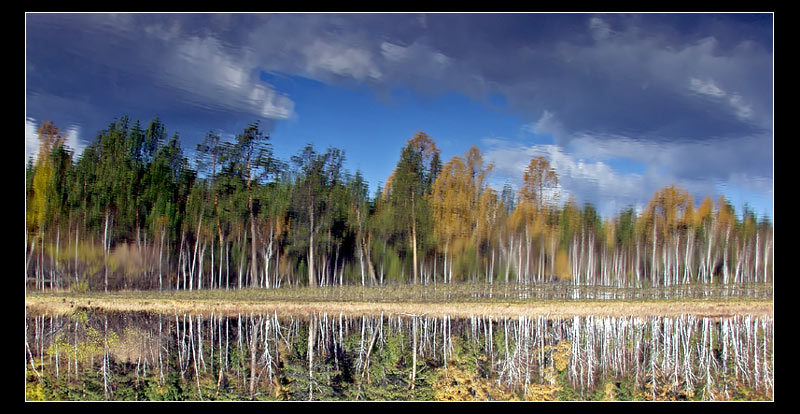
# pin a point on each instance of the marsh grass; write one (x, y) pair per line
(456, 300)
(459, 292)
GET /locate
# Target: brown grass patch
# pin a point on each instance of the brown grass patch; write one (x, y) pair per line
(63, 304)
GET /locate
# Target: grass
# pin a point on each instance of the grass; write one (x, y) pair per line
(455, 300)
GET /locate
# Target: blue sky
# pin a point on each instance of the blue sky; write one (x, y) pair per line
(621, 104)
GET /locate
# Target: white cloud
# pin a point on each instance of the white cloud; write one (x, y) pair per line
(340, 59)
(393, 52)
(742, 109)
(587, 180)
(706, 88)
(548, 124)
(180, 64)
(203, 67)
(73, 140)
(690, 162)
(31, 139)
(600, 29)
(272, 104)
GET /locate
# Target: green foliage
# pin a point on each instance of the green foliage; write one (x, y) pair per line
(35, 391)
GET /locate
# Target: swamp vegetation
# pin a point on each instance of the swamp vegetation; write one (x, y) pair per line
(95, 355)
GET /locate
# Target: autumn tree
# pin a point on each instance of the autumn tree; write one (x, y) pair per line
(46, 196)
(462, 207)
(725, 221)
(484, 200)
(49, 137)
(537, 195)
(539, 183)
(669, 210)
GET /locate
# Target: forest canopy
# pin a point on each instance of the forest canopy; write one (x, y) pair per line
(132, 211)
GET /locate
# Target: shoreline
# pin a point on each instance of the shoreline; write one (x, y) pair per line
(66, 303)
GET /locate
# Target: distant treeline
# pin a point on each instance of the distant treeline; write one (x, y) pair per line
(134, 212)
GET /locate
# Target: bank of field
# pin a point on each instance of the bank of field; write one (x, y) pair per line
(450, 301)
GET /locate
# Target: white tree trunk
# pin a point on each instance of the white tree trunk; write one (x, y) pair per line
(105, 253)
(160, 252)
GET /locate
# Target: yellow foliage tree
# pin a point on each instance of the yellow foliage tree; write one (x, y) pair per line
(671, 207)
(704, 212)
(463, 208)
(450, 200)
(36, 211)
(562, 266)
(537, 180)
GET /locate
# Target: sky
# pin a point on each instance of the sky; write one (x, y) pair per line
(620, 104)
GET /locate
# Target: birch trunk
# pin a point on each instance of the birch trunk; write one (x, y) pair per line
(200, 267)
(105, 254)
(414, 352)
(77, 232)
(268, 256)
(312, 331)
(414, 237)
(312, 281)
(160, 252)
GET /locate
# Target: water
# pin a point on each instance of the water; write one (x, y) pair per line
(92, 355)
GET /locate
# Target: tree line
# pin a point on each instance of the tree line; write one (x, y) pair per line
(133, 211)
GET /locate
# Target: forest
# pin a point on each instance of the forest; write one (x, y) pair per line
(134, 212)
(95, 355)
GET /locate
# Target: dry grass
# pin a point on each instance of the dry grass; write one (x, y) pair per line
(221, 302)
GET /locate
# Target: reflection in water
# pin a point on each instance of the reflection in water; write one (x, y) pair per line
(136, 356)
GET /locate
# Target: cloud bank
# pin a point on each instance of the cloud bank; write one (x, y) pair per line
(686, 97)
